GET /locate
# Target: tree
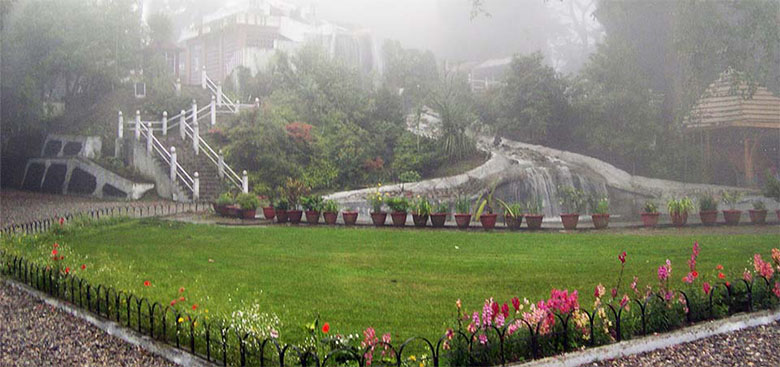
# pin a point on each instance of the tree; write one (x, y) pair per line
(452, 99)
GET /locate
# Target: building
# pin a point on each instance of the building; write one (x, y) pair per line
(249, 35)
(738, 127)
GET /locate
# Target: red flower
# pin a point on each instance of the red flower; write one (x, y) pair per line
(719, 267)
(326, 328)
(56, 245)
(516, 303)
(721, 276)
(62, 221)
(147, 283)
(54, 252)
(622, 257)
(728, 284)
(505, 310)
(707, 288)
(173, 302)
(695, 274)
(67, 270)
(494, 308)
(62, 257)
(83, 266)
(181, 299)
(195, 307)
(181, 290)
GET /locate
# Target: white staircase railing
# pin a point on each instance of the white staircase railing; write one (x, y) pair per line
(177, 172)
(222, 99)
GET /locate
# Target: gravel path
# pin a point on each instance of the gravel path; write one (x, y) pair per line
(758, 346)
(33, 333)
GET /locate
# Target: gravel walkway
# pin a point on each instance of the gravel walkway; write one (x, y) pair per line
(759, 346)
(33, 333)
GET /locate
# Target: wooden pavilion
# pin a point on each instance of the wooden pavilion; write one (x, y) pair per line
(738, 125)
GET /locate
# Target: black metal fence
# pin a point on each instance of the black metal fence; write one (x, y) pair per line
(219, 342)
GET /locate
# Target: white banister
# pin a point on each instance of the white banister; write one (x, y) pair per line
(195, 111)
(203, 77)
(221, 164)
(195, 136)
(165, 123)
(178, 87)
(244, 182)
(238, 106)
(149, 137)
(195, 187)
(182, 124)
(137, 125)
(173, 164)
(219, 95)
(257, 102)
(213, 110)
(121, 130)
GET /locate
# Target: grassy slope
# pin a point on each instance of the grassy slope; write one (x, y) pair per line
(402, 281)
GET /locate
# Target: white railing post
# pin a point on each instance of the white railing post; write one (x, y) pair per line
(137, 125)
(213, 111)
(173, 164)
(149, 137)
(194, 112)
(244, 182)
(165, 123)
(121, 127)
(195, 137)
(195, 187)
(178, 87)
(257, 102)
(238, 106)
(221, 164)
(203, 77)
(182, 124)
(219, 95)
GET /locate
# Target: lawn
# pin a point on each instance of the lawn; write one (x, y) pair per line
(400, 281)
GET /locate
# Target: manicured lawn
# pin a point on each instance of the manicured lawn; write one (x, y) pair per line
(400, 281)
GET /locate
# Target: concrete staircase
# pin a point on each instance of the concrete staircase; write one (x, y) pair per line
(210, 184)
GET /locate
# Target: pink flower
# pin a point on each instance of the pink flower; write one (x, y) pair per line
(762, 267)
(450, 333)
(747, 276)
(706, 287)
(457, 303)
(776, 256)
(688, 278)
(516, 303)
(483, 339)
(614, 292)
(663, 272)
(600, 291)
(622, 257)
(776, 289)
(624, 301)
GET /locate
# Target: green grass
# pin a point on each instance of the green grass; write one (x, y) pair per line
(400, 281)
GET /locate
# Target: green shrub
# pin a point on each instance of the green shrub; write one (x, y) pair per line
(732, 198)
(312, 203)
(398, 204)
(650, 207)
(330, 206)
(601, 207)
(707, 203)
(535, 206)
(571, 200)
(421, 206)
(462, 205)
(225, 199)
(680, 206)
(759, 205)
(247, 201)
(441, 208)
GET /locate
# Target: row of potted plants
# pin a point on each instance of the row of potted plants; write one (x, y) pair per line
(708, 210)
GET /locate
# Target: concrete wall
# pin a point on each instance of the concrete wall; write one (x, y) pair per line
(71, 146)
(136, 155)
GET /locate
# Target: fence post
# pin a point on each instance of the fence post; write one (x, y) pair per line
(213, 111)
(257, 102)
(221, 164)
(173, 164)
(194, 112)
(219, 95)
(195, 137)
(195, 187)
(182, 124)
(165, 123)
(178, 87)
(238, 106)
(244, 182)
(137, 125)
(149, 137)
(203, 77)
(121, 126)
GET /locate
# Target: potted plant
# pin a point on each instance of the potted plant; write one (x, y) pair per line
(513, 214)
(294, 190)
(376, 200)
(439, 215)
(650, 214)
(398, 207)
(268, 209)
(248, 204)
(572, 202)
(732, 215)
(462, 211)
(533, 217)
(265, 194)
(330, 211)
(313, 206)
(708, 209)
(484, 212)
(772, 189)
(758, 213)
(600, 213)
(678, 210)
(421, 209)
(281, 211)
(350, 216)
(222, 202)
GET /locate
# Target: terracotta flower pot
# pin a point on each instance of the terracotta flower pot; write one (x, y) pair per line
(233, 211)
(534, 221)
(350, 218)
(330, 217)
(650, 219)
(463, 220)
(399, 218)
(679, 219)
(269, 212)
(438, 219)
(379, 218)
(294, 216)
(312, 216)
(248, 213)
(570, 220)
(708, 217)
(218, 209)
(420, 220)
(600, 221)
(281, 216)
(757, 216)
(488, 221)
(732, 216)
(513, 222)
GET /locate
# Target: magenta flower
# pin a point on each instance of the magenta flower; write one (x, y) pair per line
(706, 287)
(624, 301)
(483, 339)
(505, 310)
(663, 273)
(516, 303)
(776, 289)
(747, 276)
(763, 268)
(688, 278)
(622, 257)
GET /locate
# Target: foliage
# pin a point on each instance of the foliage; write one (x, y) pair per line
(731, 198)
(293, 191)
(486, 202)
(330, 206)
(513, 209)
(312, 203)
(572, 200)
(398, 204)
(759, 205)
(535, 206)
(376, 199)
(282, 204)
(599, 206)
(679, 206)
(409, 176)
(441, 207)
(247, 201)
(421, 206)
(225, 198)
(453, 101)
(650, 207)
(462, 205)
(772, 187)
(707, 202)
